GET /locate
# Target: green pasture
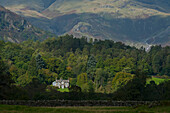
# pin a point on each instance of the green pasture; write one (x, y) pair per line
(27, 109)
(63, 90)
(157, 80)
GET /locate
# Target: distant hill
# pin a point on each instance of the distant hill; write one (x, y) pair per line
(134, 21)
(16, 29)
(161, 5)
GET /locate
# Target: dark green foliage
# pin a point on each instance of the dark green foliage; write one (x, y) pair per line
(35, 88)
(5, 81)
(91, 63)
(4, 73)
(164, 90)
(39, 62)
(91, 86)
(74, 88)
(166, 69)
(133, 90)
(91, 67)
(136, 89)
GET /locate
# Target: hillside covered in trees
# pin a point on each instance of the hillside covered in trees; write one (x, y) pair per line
(103, 67)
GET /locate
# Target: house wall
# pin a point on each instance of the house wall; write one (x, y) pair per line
(61, 84)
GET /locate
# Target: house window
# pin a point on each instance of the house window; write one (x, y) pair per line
(54, 83)
(62, 86)
(66, 85)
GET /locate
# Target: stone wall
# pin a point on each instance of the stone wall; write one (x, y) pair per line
(53, 103)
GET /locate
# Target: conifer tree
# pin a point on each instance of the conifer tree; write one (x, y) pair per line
(91, 67)
(40, 62)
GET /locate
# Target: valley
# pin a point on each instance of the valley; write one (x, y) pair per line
(84, 53)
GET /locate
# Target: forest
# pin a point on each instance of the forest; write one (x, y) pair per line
(96, 69)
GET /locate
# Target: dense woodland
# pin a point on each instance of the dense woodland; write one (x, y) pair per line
(96, 70)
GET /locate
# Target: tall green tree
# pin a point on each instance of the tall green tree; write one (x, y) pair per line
(121, 79)
(82, 82)
(134, 89)
(5, 81)
(39, 62)
(100, 79)
(91, 67)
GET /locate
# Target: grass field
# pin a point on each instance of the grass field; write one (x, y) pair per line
(63, 90)
(26, 109)
(157, 80)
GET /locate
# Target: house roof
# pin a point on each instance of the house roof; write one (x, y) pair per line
(62, 80)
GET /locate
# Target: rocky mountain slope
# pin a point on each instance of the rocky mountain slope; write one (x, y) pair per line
(136, 21)
(16, 29)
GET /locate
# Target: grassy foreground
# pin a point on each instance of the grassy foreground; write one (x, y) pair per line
(26, 109)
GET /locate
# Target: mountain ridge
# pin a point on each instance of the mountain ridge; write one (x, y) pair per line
(99, 16)
(15, 28)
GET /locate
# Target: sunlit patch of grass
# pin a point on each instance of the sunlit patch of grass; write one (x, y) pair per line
(156, 80)
(63, 90)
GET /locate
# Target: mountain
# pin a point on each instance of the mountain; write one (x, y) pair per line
(16, 29)
(130, 21)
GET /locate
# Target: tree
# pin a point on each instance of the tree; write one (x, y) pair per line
(167, 66)
(74, 88)
(134, 88)
(35, 88)
(39, 62)
(152, 91)
(91, 67)
(156, 62)
(5, 81)
(65, 72)
(90, 86)
(121, 79)
(53, 64)
(100, 63)
(47, 77)
(164, 90)
(82, 81)
(124, 63)
(71, 60)
(24, 79)
(100, 78)
(32, 68)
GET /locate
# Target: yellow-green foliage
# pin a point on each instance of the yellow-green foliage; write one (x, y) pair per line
(156, 80)
(82, 81)
(63, 90)
(121, 79)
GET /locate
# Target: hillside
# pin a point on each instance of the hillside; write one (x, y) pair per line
(130, 21)
(16, 29)
(96, 67)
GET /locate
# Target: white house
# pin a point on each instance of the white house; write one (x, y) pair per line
(61, 83)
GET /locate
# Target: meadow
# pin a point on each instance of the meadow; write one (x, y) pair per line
(156, 80)
(63, 90)
(87, 109)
